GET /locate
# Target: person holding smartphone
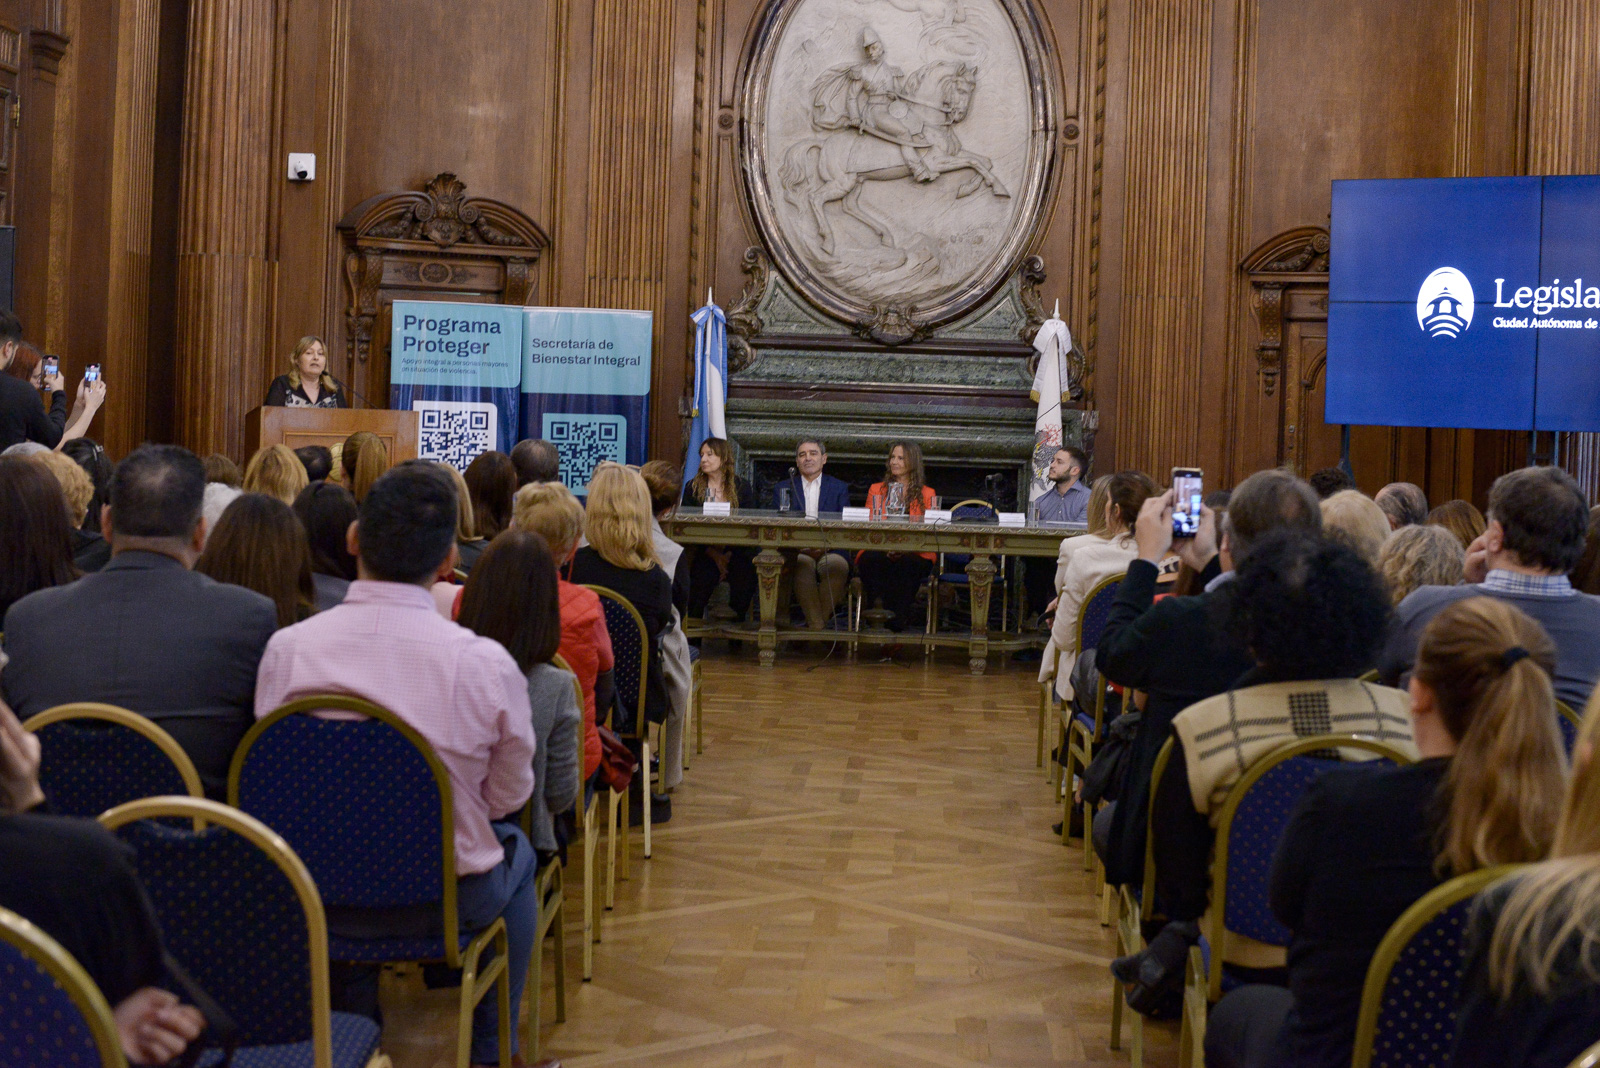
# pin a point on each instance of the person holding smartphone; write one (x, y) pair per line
(22, 414)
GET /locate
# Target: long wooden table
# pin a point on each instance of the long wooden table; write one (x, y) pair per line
(773, 533)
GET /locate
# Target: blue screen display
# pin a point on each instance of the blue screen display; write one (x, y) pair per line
(1465, 302)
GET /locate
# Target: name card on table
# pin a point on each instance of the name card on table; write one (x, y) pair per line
(722, 508)
(1013, 519)
(855, 515)
(936, 515)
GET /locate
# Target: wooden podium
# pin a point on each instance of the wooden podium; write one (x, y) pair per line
(296, 427)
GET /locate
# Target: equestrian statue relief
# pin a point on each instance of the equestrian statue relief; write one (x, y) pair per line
(880, 124)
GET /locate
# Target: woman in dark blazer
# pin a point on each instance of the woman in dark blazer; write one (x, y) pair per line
(308, 383)
(710, 564)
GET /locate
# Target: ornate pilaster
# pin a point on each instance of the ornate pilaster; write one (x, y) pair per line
(225, 276)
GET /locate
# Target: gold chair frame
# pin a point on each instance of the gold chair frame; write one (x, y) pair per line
(588, 820)
(642, 725)
(475, 984)
(1078, 742)
(68, 974)
(1403, 930)
(1132, 914)
(1203, 985)
(1572, 717)
(1589, 1058)
(932, 622)
(122, 717)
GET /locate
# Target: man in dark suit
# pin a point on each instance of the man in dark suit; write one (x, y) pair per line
(819, 579)
(147, 633)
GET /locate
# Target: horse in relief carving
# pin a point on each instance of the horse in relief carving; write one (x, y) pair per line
(833, 167)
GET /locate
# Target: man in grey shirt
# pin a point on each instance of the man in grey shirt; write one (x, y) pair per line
(1537, 522)
(1067, 501)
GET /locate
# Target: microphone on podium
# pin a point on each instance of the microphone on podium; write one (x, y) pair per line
(350, 390)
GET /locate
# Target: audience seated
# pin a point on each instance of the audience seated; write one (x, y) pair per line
(362, 460)
(221, 469)
(1331, 480)
(259, 544)
(1095, 522)
(1460, 518)
(1418, 556)
(1531, 994)
(277, 471)
(1586, 576)
(145, 632)
(469, 546)
(1097, 558)
(536, 460)
(464, 694)
(1312, 614)
(710, 564)
(90, 551)
(326, 510)
(88, 454)
(216, 500)
(1367, 841)
(491, 482)
(317, 460)
(549, 510)
(74, 881)
(1404, 503)
(512, 598)
(1538, 519)
(893, 578)
(1176, 651)
(35, 532)
(663, 479)
(1350, 518)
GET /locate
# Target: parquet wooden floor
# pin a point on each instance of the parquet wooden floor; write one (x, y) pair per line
(859, 872)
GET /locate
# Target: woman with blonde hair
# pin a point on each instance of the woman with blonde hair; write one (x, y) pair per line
(468, 545)
(1352, 518)
(1366, 841)
(1532, 986)
(90, 551)
(363, 458)
(621, 556)
(277, 472)
(550, 510)
(308, 383)
(1417, 556)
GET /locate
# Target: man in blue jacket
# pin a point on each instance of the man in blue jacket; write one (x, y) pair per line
(819, 577)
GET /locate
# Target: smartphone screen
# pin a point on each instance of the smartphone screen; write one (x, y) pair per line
(92, 373)
(51, 365)
(1186, 495)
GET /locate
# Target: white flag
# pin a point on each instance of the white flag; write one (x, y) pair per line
(1050, 382)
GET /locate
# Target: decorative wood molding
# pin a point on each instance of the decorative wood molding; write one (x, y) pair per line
(743, 321)
(1295, 259)
(436, 244)
(46, 49)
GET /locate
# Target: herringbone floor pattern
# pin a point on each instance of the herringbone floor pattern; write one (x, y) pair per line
(859, 872)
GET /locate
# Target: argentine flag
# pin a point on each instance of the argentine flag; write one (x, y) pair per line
(1050, 384)
(710, 383)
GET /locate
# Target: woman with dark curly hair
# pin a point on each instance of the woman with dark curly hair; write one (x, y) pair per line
(1314, 615)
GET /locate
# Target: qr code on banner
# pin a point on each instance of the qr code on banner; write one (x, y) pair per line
(585, 441)
(456, 431)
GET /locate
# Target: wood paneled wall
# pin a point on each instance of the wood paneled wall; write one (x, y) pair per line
(1192, 132)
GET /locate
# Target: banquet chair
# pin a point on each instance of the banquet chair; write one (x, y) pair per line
(94, 757)
(1409, 1001)
(368, 806)
(1079, 733)
(630, 648)
(696, 705)
(1137, 908)
(1250, 824)
(240, 913)
(950, 569)
(1589, 1058)
(587, 817)
(51, 1014)
(1047, 697)
(1570, 723)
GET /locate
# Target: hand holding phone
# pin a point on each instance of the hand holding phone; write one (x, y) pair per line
(52, 366)
(92, 373)
(1187, 494)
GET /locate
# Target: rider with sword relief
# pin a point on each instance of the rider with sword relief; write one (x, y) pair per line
(872, 97)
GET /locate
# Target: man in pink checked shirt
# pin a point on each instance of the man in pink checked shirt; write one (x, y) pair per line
(388, 644)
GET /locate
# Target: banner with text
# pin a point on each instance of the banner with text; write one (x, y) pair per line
(586, 386)
(459, 366)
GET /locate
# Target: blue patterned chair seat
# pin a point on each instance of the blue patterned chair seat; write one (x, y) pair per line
(40, 1025)
(694, 653)
(1569, 732)
(383, 950)
(355, 1040)
(1417, 1020)
(1086, 721)
(1253, 837)
(91, 767)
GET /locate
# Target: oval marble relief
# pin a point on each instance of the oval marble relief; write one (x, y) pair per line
(897, 153)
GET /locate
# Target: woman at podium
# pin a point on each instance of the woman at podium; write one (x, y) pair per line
(308, 383)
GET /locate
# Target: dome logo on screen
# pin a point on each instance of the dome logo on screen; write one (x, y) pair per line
(1444, 303)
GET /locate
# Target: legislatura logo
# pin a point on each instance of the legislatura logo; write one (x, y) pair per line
(1445, 303)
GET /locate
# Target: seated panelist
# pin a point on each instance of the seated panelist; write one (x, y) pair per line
(816, 579)
(308, 383)
(895, 577)
(710, 564)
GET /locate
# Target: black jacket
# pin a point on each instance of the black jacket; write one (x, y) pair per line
(151, 636)
(1175, 653)
(650, 593)
(22, 414)
(747, 495)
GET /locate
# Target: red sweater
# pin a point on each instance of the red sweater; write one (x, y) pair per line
(586, 646)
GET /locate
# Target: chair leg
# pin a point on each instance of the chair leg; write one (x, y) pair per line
(591, 930)
(611, 848)
(698, 703)
(626, 818)
(1044, 710)
(646, 786)
(1066, 786)
(559, 928)
(533, 990)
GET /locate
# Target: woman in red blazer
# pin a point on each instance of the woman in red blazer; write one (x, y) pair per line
(895, 577)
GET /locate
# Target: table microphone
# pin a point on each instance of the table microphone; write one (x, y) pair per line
(349, 390)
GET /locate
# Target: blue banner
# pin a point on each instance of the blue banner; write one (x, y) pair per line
(586, 386)
(459, 367)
